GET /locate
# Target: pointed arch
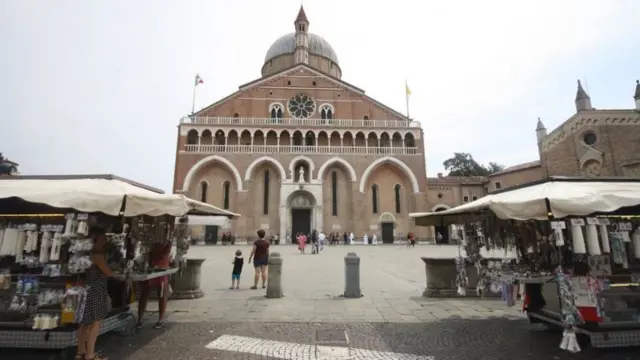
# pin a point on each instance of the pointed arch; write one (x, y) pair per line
(210, 159)
(249, 173)
(389, 160)
(337, 160)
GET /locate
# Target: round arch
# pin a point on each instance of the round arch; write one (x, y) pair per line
(292, 163)
(387, 218)
(209, 159)
(337, 160)
(260, 160)
(393, 161)
(440, 206)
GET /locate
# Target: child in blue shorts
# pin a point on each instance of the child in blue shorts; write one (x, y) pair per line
(238, 261)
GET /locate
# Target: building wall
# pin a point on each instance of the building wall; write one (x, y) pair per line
(355, 211)
(614, 152)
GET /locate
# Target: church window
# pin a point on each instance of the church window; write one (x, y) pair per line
(314, 83)
(366, 117)
(474, 198)
(334, 193)
(326, 112)
(265, 199)
(397, 192)
(465, 199)
(226, 187)
(203, 191)
(589, 138)
(301, 106)
(236, 115)
(276, 111)
(374, 198)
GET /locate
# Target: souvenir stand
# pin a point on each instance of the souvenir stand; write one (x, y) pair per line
(45, 250)
(577, 242)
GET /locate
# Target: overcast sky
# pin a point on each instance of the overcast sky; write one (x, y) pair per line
(99, 86)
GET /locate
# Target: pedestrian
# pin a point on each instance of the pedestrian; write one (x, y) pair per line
(237, 262)
(95, 309)
(321, 238)
(412, 239)
(159, 258)
(260, 256)
(345, 237)
(302, 242)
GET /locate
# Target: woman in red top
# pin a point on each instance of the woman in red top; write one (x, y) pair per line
(159, 257)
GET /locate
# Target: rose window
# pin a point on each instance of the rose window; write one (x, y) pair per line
(301, 106)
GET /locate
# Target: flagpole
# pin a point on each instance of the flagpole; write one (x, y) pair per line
(193, 101)
(406, 94)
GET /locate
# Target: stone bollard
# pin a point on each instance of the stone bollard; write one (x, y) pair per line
(352, 276)
(187, 284)
(274, 276)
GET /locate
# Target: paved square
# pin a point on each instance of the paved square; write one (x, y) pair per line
(392, 280)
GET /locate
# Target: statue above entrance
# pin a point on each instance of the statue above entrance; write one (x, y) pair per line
(301, 174)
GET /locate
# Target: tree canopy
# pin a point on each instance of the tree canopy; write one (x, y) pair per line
(463, 164)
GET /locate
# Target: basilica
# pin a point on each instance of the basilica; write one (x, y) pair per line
(300, 149)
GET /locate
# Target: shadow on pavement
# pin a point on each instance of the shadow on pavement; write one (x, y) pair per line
(113, 345)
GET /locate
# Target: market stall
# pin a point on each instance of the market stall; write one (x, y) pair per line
(45, 250)
(577, 243)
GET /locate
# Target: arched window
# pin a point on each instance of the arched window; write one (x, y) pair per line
(334, 193)
(326, 112)
(276, 111)
(265, 198)
(203, 191)
(226, 187)
(397, 191)
(374, 198)
(236, 115)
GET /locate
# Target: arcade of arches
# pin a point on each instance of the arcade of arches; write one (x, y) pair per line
(332, 203)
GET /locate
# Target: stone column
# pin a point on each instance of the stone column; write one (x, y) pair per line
(352, 276)
(274, 277)
(186, 285)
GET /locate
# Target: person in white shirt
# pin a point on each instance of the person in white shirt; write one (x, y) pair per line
(321, 238)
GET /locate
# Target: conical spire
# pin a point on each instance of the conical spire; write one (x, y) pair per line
(637, 94)
(540, 125)
(581, 94)
(302, 16)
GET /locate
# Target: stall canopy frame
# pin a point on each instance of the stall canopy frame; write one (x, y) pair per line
(107, 194)
(556, 197)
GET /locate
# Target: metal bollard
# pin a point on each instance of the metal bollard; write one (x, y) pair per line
(274, 276)
(352, 276)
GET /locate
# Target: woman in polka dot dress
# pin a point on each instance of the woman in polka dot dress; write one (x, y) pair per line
(95, 309)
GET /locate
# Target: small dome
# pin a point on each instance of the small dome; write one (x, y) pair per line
(287, 45)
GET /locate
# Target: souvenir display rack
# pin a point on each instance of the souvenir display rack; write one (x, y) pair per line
(581, 273)
(43, 258)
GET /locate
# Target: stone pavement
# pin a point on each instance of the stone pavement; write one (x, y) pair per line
(391, 321)
(392, 281)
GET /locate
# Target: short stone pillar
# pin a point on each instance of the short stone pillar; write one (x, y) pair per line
(186, 285)
(352, 276)
(274, 276)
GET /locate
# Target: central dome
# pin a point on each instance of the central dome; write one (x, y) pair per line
(287, 45)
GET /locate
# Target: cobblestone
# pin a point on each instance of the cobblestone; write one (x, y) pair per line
(487, 339)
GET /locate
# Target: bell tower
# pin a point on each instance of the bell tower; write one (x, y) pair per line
(302, 38)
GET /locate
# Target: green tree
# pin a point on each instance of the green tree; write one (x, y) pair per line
(463, 164)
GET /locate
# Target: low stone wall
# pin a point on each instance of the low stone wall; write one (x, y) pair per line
(441, 278)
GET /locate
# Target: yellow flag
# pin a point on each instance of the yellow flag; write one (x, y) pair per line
(407, 89)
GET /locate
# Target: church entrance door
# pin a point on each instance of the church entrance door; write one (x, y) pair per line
(300, 222)
(387, 233)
